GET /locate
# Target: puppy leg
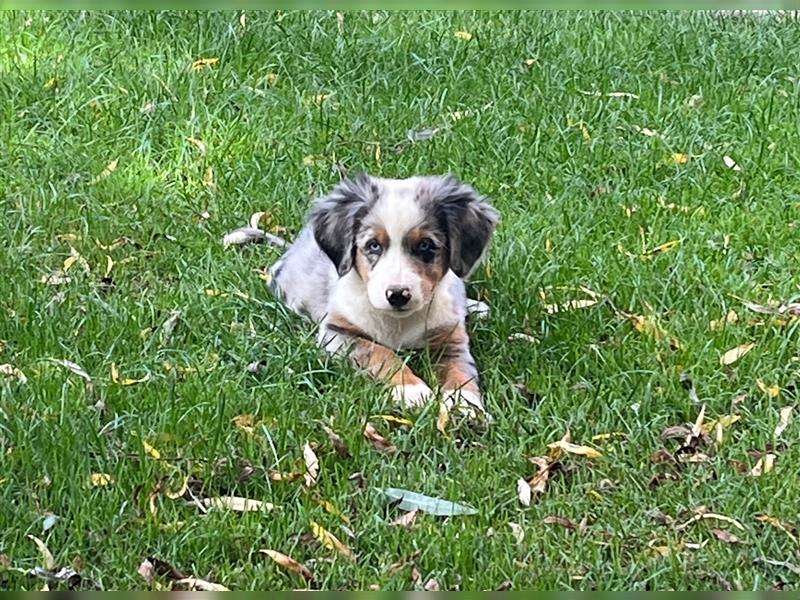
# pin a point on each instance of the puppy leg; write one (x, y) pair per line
(457, 372)
(379, 361)
(477, 309)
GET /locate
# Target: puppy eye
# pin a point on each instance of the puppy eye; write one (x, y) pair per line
(374, 247)
(426, 246)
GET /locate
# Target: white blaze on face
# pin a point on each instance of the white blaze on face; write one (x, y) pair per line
(398, 212)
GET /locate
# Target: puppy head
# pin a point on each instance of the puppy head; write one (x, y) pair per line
(402, 236)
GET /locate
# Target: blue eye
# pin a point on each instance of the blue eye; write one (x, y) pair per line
(426, 246)
(374, 247)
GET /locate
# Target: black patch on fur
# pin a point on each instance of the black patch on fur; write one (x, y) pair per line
(468, 219)
(335, 219)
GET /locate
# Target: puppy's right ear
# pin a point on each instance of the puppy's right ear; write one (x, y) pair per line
(335, 219)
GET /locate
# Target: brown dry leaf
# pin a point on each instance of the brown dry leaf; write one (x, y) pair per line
(563, 521)
(48, 562)
(406, 519)
(338, 443)
(679, 158)
(203, 63)
(571, 448)
(552, 309)
(74, 367)
(199, 144)
(518, 532)
(734, 354)
(785, 420)
(773, 391)
(237, 504)
(100, 480)
(764, 465)
(524, 492)
(380, 443)
(290, 564)
(725, 536)
(193, 584)
(463, 35)
(12, 371)
(110, 168)
(331, 542)
(538, 482)
(312, 465)
(775, 522)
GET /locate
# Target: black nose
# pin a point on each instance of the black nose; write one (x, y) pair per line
(398, 297)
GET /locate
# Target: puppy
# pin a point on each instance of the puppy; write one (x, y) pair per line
(381, 266)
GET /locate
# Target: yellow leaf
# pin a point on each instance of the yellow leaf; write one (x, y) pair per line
(109, 265)
(393, 419)
(48, 562)
(114, 373)
(463, 35)
(331, 542)
(245, 423)
(731, 317)
(330, 508)
(110, 168)
(604, 437)
(208, 178)
(320, 98)
(663, 248)
(734, 354)
(772, 391)
(53, 83)
(443, 418)
(571, 448)
(679, 158)
(129, 381)
(100, 480)
(312, 159)
(724, 422)
(151, 451)
(199, 144)
(203, 63)
(570, 305)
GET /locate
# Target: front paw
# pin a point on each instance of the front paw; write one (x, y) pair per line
(413, 395)
(467, 403)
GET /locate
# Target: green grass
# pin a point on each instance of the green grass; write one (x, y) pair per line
(72, 90)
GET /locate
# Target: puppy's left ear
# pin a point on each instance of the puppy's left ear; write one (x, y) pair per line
(469, 218)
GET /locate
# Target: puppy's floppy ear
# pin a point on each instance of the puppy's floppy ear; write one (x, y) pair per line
(335, 218)
(469, 220)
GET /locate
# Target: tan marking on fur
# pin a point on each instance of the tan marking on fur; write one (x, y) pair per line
(448, 336)
(374, 358)
(362, 266)
(430, 274)
(455, 369)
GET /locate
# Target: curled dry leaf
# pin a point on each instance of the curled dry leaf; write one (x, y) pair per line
(463, 35)
(432, 585)
(788, 529)
(331, 542)
(380, 443)
(663, 248)
(679, 158)
(734, 354)
(552, 309)
(203, 63)
(764, 465)
(773, 391)
(563, 521)
(392, 419)
(571, 448)
(48, 562)
(443, 418)
(237, 504)
(290, 564)
(100, 480)
(74, 367)
(168, 326)
(524, 492)
(199, 144)
(518, 532)
(538, 482)
(12, 371)
(725, 536)
(110, 168)
(406, 520)
(338, 443)
(785, 420)
(193, 584)
(151, 451)
(312, 465)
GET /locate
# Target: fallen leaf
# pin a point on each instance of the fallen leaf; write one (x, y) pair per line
(538, 482)
(12, 371)
(679, 158)
(421, 135)
(433, 506)
(200, 585)
(432, 586)
(56, 277)
(48, 562)
(406, 519)
(380, 443)
(203, 63)
(518, 532)
(109, 266)
(764, 465)
(237, 504)
(463, 35)
(730, 163)
(780, 563)
(312, 465)
(280, 476)
(200, 145)
(734, 354)
(552, 309)
(110, 168)
(395, 420)
(563, 521)
(724, 421)
(100, 480)
(443, 418)
(731, 317)
(153, 452)
(773, 391)
(646, 131)
(785, 420)
(605, 437)
(524, 337)
(147, 571)
(338, 443)
(244, 423)
(331, 542)
(663, 248)
(74, 367)
(209, 181)
(524, 492)
(571, 448)
(791, 308)
(725, 536)
(290, 564)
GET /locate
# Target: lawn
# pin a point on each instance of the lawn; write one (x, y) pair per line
(646, 168)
